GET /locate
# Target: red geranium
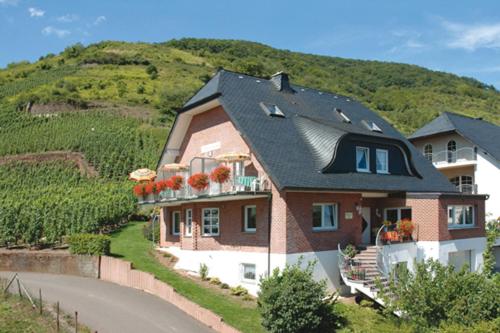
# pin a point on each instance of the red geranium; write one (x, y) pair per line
(220, 174)
(198, 181)
(140, 190)
(149, 188)
(405, 227)
(177, 182)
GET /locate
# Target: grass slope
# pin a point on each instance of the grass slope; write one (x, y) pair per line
(129, 244)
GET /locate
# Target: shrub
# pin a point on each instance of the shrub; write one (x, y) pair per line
(435, 294)
(89, 244)
(215, 281)
(224, 286)
(203, 271)
(292, 301)
(148, 231)
(239, 291)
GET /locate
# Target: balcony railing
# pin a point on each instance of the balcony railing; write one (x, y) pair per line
(453, 156)
(467, 188)
(238, 182)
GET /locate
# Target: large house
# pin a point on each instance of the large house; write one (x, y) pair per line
(467, 151)
(309, 173)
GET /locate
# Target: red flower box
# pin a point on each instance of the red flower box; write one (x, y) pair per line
(220, 174)
(176, 182)
(140, 190)
(198, 181)
(149, 188)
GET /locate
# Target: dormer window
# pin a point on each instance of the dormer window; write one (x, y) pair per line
(272, 110)
(362, 159)
(342, 116)
(382, 161)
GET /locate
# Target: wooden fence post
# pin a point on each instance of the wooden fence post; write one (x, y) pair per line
(40, 296)
(57, 316)
(76, 321)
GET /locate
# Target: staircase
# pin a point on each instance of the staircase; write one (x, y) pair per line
(361, 272)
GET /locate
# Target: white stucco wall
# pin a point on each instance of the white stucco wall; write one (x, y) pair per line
(487, 178)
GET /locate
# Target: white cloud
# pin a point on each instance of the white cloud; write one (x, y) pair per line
(472, 37)
(68, 18)
(35, 12)
(49, 31)
(9, 2)
(99, 20)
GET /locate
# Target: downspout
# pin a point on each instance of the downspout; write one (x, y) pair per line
(269, 216)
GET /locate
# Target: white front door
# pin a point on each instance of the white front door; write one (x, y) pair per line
(365, 225)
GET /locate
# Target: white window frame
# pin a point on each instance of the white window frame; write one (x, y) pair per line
(367, 150)
(386, 171)
(398, 209)
(453, 224)
(428, 154)
(211, 222)
(178, 213)
(323, 227)
(243, 265)
(188, 225)
(245, 214)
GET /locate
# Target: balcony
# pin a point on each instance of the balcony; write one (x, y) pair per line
(237, 184)
(467, 188)
(449, 158)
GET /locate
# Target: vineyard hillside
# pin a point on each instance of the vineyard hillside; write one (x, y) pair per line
(113, 102)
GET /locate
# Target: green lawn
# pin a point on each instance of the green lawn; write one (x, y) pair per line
(129, 244)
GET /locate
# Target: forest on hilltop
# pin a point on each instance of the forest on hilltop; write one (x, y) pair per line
(114, 102)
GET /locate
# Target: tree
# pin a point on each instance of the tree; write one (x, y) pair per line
(152, 71)
(292, 301)
(492, 233)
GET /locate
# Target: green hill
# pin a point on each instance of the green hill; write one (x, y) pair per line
(114, 102)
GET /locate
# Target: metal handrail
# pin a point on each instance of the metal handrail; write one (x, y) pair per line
(342, 263)
(381, 256)
(451, 156)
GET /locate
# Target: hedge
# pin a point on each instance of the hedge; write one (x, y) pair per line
(89, 244)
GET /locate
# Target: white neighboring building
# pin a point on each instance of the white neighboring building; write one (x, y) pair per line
(467, 151)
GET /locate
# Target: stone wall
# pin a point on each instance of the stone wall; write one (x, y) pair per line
(47, 262)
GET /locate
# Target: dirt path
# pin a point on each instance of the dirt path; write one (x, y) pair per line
(74, 157)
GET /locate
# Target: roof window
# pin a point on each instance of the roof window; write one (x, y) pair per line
(372, 126)
(342, 115)
(272, 110)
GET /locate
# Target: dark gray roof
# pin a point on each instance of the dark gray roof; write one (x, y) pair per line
(481, 133)
(282, 145)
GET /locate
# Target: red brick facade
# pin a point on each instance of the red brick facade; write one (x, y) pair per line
(291, 212)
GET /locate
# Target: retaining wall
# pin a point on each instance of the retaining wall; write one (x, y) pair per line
(53, 263)
(121, 272)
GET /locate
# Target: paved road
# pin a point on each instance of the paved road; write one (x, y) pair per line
(108, 307)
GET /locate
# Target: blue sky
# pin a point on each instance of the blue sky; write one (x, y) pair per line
(461, 37)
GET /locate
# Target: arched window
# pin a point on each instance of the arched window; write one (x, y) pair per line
(452, 148)
(455, 181)
(428, 151)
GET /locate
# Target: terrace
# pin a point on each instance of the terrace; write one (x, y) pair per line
(453, 157)
(226, 177)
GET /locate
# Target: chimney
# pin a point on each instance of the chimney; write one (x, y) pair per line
(281, 82)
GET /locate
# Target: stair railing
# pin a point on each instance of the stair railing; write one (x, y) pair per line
(350, 269)
(383, 259)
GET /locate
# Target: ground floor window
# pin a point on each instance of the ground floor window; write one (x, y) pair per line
(189, 222)
(176, 223)
(248, 272)
(210, 221)
(397, 214)
(250, 217)
(325, 216)
(459, 259)
(460, 216)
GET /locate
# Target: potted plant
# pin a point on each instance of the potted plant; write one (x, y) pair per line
(387, 225)
(176, 182)
(220, 174)
(405, 228)
(198, 181)
(140, 191)
(350, 251)
(149, 189)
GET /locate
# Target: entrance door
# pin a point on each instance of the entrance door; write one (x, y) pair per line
(365, 225)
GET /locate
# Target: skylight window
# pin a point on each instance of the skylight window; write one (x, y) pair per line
(372, 126)
(343, 116)
(272, 110)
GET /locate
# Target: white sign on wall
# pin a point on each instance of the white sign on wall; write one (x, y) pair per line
(210, 147)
